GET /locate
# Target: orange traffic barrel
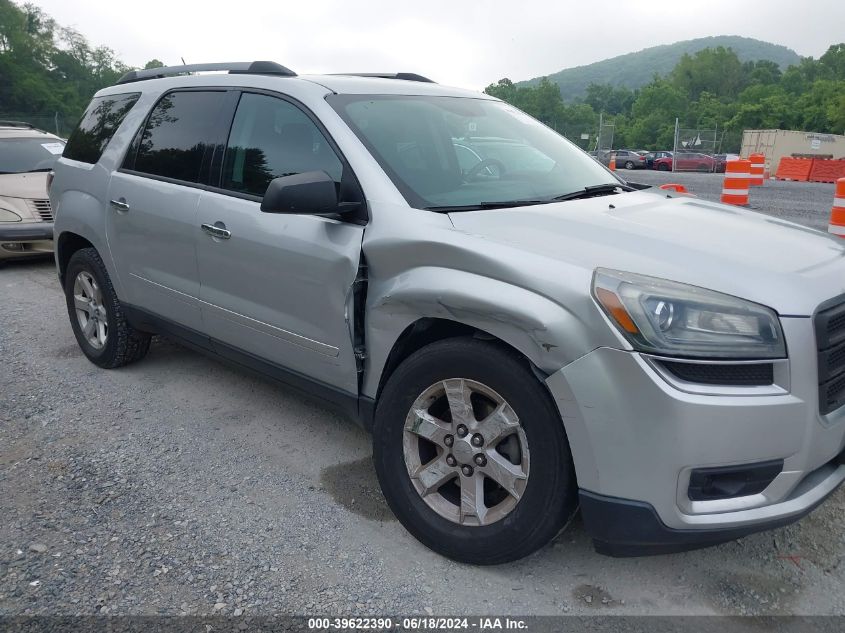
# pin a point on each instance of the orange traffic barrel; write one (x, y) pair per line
(758, 167)
(612, 164)
(737, 177)
(837, 214)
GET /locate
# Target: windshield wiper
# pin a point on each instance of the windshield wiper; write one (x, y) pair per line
(586, 192)
(593, 190)
(502, 204)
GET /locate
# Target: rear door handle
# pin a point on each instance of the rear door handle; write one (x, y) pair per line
(119, 205)
(218, 230)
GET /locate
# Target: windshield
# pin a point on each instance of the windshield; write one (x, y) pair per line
(462, 152)
(29, 154)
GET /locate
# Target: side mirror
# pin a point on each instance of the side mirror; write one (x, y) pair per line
(311, 192)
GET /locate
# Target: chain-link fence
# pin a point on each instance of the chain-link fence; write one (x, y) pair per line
(694, 149)
(604, 139)
(52, 122)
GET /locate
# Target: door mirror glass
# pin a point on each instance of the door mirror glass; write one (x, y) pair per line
(311, 192)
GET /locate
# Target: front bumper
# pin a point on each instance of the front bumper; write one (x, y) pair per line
(621, 527)
(636, 438)
(22, 239)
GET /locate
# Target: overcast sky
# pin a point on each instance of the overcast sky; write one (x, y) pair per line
(469, 43)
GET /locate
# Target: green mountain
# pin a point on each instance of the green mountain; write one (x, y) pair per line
(633, 70)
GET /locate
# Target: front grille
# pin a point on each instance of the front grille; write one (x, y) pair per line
(739, 374)
(42, 208)
(830, 339)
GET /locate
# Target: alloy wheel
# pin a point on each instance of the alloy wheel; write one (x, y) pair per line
(466, 452)
(90, 311)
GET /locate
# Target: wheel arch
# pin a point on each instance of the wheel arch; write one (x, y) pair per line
(81, 223)
(426, 305)
(66, 245)
(427, 330)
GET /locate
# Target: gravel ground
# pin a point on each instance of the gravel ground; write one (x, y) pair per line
(180, 485)
(806, 203)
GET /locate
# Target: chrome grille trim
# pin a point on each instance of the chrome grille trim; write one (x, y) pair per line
(42, 208)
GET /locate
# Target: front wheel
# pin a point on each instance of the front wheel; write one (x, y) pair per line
(471, 453)
(629, 165)
(663, 167)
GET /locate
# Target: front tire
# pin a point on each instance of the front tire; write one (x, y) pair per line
(629, 165)
(96, 316)
(471, 453)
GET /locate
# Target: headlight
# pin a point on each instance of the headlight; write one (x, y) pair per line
(9, 216)
(674, 319)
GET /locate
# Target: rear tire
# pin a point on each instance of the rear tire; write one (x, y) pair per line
(448, 518)
(629, 165)
(662, 167)
(96, 316)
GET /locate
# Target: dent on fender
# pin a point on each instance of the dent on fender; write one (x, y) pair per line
(468, 313)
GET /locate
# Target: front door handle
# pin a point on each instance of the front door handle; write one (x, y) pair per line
(119, 205)
(218, 230)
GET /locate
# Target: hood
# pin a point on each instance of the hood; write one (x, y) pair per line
(31, 185)
(783, 265)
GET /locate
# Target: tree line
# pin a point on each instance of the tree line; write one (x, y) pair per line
(712, 89)
(49, 68)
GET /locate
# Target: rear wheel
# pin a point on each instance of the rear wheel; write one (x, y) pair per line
(96, 315)
(471, 453)
(663, 167)
(629, 165)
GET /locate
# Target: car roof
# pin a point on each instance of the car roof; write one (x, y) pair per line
(353, 84)
(19, 131)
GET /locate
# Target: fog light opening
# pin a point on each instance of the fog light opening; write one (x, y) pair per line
(729, 482)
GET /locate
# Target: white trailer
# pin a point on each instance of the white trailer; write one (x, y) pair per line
(775, 144)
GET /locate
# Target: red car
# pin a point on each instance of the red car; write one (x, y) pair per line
(687, 161)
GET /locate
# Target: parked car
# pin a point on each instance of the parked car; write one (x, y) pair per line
(722, 160)
(630, 159)
(520, 341)
(686, 161)
(26, 219)
(650, 157)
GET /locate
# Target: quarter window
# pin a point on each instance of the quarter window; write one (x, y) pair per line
(99, 123)
(271, 137)
(179, 131)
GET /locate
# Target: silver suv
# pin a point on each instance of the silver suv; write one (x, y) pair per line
(521, 330)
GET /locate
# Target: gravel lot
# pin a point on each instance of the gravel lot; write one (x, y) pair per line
(806, 203)
(180, 485)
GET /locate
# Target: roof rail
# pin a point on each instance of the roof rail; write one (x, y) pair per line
(405, 76)
(17, 124)
(234, 68)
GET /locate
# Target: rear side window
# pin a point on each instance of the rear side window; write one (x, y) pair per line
(99, 123)
(176, 136)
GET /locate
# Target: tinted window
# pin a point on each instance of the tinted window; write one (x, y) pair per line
(270, 138)
(28, 154)
(179, 130)
(98, 125)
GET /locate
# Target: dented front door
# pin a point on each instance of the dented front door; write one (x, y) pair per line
(279, 286)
